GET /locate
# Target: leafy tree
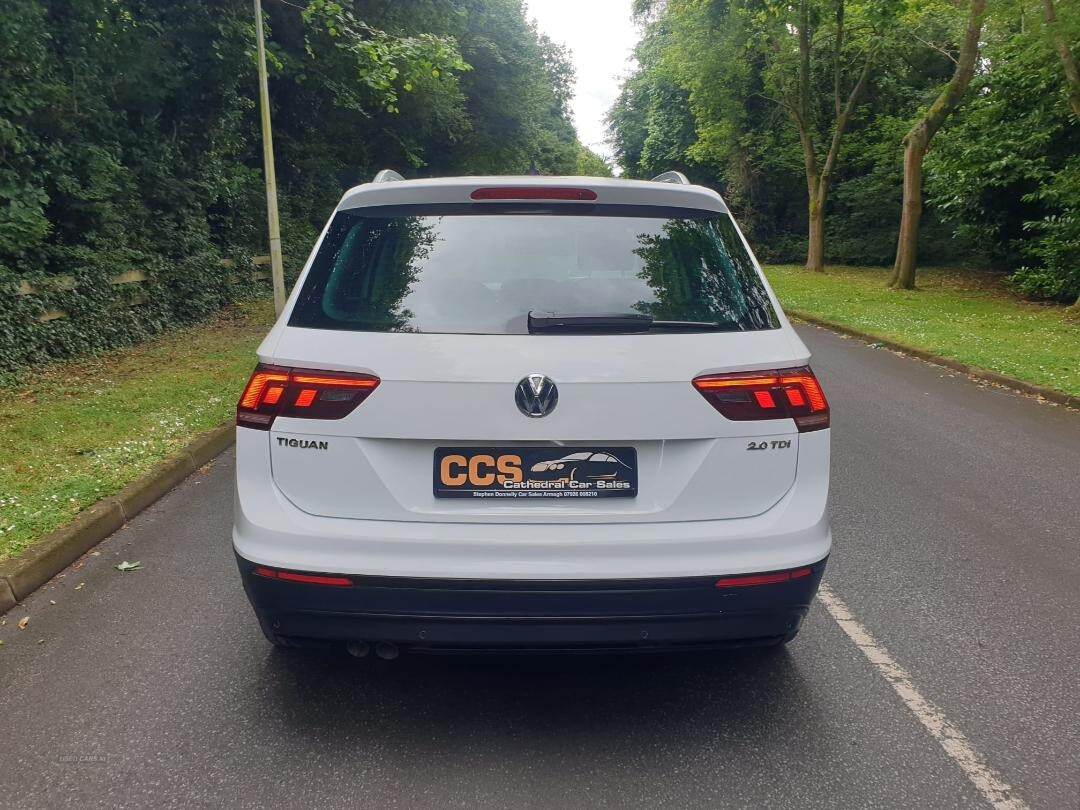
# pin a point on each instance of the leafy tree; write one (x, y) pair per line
(590, 164)
(651, 124)
(797, 96)
(739, 68)
(1064, 232)
(917, 142)
(717, 83)
(1007, 172)
(129, 142)
(1059, 34)
(516, 94)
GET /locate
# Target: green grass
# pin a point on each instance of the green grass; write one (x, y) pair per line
(77, 432)
(955, 314)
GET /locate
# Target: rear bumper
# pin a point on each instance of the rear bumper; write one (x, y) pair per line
(446, 615)
(542, 545)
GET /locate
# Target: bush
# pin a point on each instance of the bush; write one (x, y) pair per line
(130, 143)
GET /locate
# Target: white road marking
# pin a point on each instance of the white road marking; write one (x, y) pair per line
(988, 782)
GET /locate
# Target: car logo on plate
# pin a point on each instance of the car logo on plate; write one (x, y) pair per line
(536, 396)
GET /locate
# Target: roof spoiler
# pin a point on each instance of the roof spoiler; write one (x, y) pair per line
(672, 177)
(387, 176)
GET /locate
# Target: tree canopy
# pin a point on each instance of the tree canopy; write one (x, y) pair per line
(728, 92)
(130, 141)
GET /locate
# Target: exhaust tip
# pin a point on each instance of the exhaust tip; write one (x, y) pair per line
(387, 651)
(358, 649)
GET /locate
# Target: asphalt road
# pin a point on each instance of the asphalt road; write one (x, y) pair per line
(957, 546)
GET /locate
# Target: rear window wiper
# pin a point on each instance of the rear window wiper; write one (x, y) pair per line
(599, 322)
(694, 326)
(614, 323)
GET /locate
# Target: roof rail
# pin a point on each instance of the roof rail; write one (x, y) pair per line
(672, 177)
(387, 176)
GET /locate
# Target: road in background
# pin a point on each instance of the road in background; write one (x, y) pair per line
(957, 545)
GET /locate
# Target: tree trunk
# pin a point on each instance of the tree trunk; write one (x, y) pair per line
(1068, 61)
(815, 246)
(917, 142)
(815, 243)
(903, 274)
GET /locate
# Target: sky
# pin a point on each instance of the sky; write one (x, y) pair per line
(601, 36)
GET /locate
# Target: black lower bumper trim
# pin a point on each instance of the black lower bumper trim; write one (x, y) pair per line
(567, 615)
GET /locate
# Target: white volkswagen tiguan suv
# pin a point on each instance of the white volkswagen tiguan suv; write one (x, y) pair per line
(557, 413)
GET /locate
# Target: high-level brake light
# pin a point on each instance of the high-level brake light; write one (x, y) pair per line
(299, 392)
(533, 193)
(788, 393)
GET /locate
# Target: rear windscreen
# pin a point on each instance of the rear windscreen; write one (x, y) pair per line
(480, 269)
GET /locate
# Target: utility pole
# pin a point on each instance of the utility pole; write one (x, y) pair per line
(268, 165)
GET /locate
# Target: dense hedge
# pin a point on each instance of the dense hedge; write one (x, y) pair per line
(129, 141)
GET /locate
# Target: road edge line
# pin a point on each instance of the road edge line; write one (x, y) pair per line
(52, 553)
(986, 780)
(1051, 394)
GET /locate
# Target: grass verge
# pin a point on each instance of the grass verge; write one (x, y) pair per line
(955, 314)
(78, 432)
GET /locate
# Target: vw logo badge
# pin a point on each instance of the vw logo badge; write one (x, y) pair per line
(536, 396)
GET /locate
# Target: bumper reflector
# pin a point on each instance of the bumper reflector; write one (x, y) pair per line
(304, 579)
(763, 579)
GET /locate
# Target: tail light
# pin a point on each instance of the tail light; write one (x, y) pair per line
(788, 393)
(273, 391)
